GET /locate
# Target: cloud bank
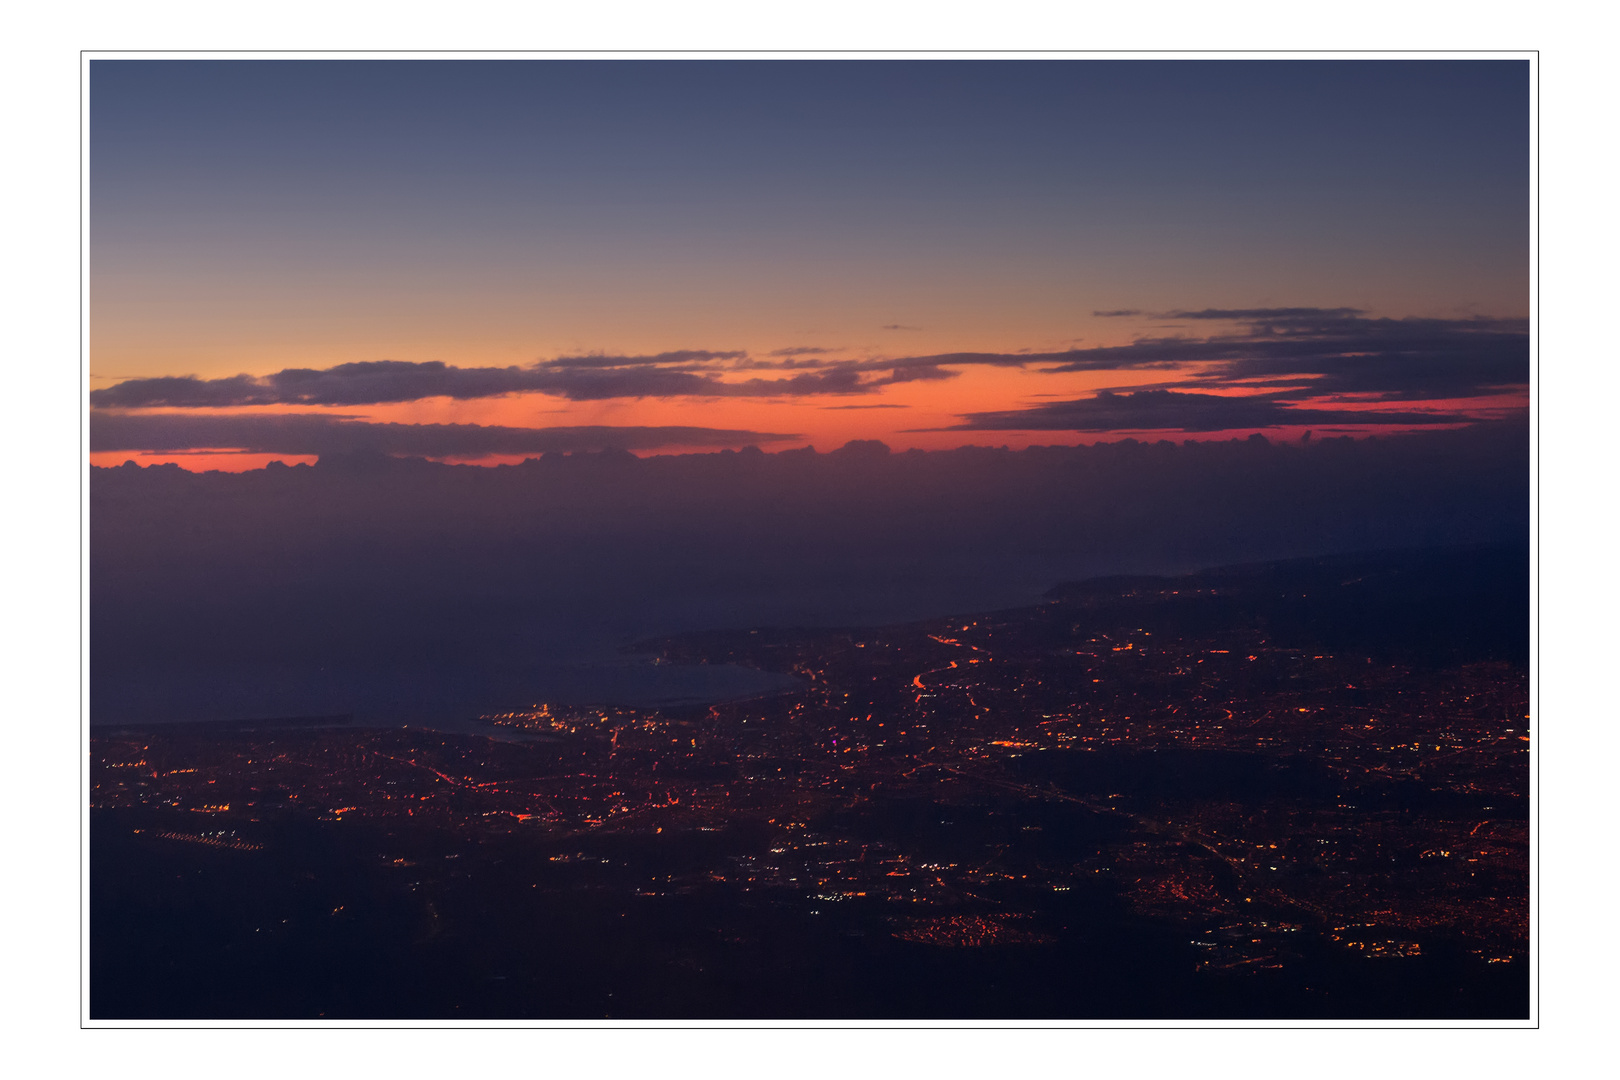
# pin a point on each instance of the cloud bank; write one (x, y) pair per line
(378, 382)
(1283, 354)
(406, 567)
(322, 433)
(1170, 410)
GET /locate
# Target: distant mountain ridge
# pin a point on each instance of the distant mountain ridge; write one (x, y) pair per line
(1435, 605)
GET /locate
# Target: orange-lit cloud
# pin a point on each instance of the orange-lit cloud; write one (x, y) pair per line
(1264, 369)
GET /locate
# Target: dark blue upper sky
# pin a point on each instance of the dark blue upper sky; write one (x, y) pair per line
(1391, 137)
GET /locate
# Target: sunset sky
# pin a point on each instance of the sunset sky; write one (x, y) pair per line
(291, 258)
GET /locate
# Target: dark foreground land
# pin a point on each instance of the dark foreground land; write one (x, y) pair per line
(1294, 790)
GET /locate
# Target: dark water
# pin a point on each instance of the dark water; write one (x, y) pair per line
(445, 700)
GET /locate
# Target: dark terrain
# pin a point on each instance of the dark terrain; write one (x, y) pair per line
(1286, 790)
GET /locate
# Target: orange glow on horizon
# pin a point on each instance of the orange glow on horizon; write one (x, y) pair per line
(223, 461)
(909, 415)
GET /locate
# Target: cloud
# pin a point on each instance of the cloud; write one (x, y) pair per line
(918, 373)
(690, 373)
(331, 578)
(1261, 314)
(577, 378)
(604, 384)
(305, 433)
(961, 359)
(801, 350)
(184, 392)
(1298, 351)
(899, 326)
(1169, 410)
(679, 357)
(1322, 351)
(1121, 313)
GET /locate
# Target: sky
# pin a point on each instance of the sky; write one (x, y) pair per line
(487, 260)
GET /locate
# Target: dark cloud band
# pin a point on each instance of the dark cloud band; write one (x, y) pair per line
(1170, 410)
(325, 434)
(1300, 352)
(578, 378)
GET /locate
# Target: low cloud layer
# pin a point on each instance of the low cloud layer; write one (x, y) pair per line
(1286, 354)
(689, 373)
(1281, 358)
(1310, 352)
(1170, 410)
(578, 378)
(319, 574)
(300, 434)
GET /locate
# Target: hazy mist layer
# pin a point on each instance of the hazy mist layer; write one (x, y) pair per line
(406, 590)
